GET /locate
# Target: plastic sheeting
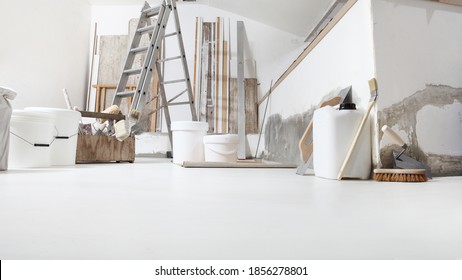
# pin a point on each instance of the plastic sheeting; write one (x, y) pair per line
(5, 117)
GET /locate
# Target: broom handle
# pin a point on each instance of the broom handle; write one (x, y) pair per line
(355, 140)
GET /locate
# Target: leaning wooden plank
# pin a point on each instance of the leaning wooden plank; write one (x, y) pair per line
(217, 78)
(241, 93)
(94, 149)
(251, 108)
(310, 47)
(224, 92)
(238, 164)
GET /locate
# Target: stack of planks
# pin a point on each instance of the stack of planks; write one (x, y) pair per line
(215, 90)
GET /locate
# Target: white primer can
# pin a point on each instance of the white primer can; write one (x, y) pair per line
(333, 133)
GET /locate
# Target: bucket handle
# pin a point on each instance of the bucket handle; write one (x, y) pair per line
(226, 153)
(36, 144)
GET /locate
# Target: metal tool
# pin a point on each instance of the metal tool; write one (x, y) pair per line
(400, 160)
(306, 142)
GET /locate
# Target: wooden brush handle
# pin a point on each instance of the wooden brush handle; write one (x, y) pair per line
(390, 133)
(305, 151)
(355, 140)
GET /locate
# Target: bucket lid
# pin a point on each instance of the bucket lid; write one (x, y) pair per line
(61, 113)
(221, 139)
(189, 125)
(32, 116)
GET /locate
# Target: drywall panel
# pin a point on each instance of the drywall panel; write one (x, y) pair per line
(419, 68)
(344, 57)
(44, 48)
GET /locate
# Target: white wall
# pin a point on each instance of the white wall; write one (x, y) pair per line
(344, 57)
(419, 58)
(44, 48)
(417, 43)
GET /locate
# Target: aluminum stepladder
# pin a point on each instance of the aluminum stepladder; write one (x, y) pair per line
(152, 64)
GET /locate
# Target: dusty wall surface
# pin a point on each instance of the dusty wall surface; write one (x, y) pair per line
(418, 47)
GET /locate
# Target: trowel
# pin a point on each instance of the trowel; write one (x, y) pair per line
(306, 142)
(400, 160)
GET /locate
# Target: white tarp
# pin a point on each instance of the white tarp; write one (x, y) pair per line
(5, 116)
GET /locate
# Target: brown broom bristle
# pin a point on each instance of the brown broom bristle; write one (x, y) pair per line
(400, 175)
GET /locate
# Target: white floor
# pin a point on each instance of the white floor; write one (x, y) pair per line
(153, 209)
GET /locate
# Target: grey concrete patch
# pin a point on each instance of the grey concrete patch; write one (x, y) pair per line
(404, 116)
(282, 136)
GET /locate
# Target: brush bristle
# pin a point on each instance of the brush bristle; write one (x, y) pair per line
(399, 177)
(373, 84)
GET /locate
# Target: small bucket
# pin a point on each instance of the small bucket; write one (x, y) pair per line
(187, 141)
(221, 148)
(64, 147)
(31, 137)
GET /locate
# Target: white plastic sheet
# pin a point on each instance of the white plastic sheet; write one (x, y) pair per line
(5, 117)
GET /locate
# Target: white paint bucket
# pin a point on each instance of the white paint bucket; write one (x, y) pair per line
(31, 137)
(221, 148)
(64, 146)
(333, 133)
(187, 141)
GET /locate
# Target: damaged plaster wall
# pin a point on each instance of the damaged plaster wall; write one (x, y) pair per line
(344, 57)
(424, 121)
(419, 69)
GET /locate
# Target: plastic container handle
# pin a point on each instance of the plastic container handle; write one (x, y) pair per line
(390, 133)
(225, 153)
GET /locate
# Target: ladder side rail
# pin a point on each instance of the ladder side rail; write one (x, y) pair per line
(164, 102)
(147, 69)
(183, 60)
(143, 20)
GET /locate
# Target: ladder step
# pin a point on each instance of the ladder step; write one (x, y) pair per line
(170, 58)
(179, 103)
(146, 29)
(126, 93)
(150, 12)
(133, 71)
(178, 95)
(139, 49)
(174, 81)
(170, 34)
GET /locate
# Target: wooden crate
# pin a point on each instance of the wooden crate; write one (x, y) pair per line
(93, 149)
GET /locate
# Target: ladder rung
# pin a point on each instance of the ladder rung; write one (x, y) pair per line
(146, 29)
(139, 49)
(179, 103)
(170, 34)
(150, 12)
(133, 71)
(178, 95)
(126, 93)
(174, 81)
(170, 58)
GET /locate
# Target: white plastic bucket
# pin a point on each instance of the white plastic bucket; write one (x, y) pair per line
(221, 148)
(187, 141)
(333, 133)
(64, 146)
(31, 137)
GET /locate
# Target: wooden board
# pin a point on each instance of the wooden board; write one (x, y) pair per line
(238, 164)
(93, 149)
(251, 112)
